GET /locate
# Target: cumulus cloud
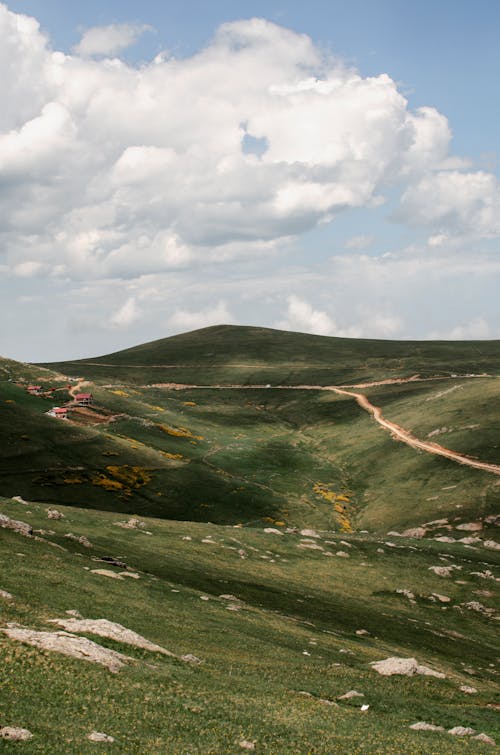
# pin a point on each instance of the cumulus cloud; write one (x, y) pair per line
(112, 170)
(126, 314)
(184, 319)
(109, 40)
(359, 242)
(302, 317)
(456, 203)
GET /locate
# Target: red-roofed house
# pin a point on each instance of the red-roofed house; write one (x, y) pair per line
(84, 399)
(35, 390)
(60, 412)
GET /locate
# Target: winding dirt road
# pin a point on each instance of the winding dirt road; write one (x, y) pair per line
(397, 432)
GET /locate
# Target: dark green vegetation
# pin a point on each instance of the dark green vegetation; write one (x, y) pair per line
(208, 468)
(234, 354)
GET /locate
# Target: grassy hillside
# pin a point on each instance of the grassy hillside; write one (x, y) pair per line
(287, 610)
(245, 355)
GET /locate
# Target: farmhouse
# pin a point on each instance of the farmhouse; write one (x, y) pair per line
(84, 399)
(34, 390)
(59, 412)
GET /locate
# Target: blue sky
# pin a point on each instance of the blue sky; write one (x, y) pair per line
(338, 227)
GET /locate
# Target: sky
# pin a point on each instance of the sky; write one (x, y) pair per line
(327, 167)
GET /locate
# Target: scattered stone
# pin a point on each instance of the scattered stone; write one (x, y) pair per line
(436, 523)
(74, 612)
(6, 595)
(491, 519)
(342, 554)
(485, 738)
(468, 690)
(474, 605)
(407, 593)
(272, 531)
(469, 540)
(100, 736)
(69, 644)
(246, 744)
(417, 532)
(81, 539)
(310, 533)
(19, 499)
(186, 537)
(114, 561)
(228, 597)
(111, 630)
(54, 514)
(443, 571)
(470, 527)
(189, 658)
(233, 607)
(344, 542)
(364, 708)
(380, 550)
(22, 528)
(132, 524)
(131, 574)
(106, 573)
(492, 545)
(311, 546)
(15, 734)
(361, 632)
(349, 695)
(441, 598)
(204, 597)
(486, 574)
(403, 667)
(424, 726)
(462, 731)
(444, 539)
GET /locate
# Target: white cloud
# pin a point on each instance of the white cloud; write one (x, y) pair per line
(127, 314)
(301, 316)
(359, 242)
(477, 328)
(184, 319)
(109, 40)
(112, 170)
(456, 203)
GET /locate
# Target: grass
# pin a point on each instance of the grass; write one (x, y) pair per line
(207, 470)
(292, 601)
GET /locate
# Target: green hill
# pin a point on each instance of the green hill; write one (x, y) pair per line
(237, 354)
(268, 531)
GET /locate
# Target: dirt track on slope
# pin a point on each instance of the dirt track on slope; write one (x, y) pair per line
(397, 432)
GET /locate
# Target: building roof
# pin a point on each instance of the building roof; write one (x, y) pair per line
(82, 396)
(60, 410)
(34, 387)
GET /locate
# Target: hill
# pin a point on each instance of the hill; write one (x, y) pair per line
(267, 514)
(238, 354)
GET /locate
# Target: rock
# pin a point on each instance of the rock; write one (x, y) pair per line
(131, 574)
(492, 545)
(189, 658)
(444, 539)
(311, 546)
(272, 531)
(309, 533)
(468, 690)
(22, 528)
(403, 667)
(15, 734)
(362, 632)
(470, 527)
(474, 605)
(111, 630)
(54, 514)
(132, 524)
(461, 731)
(19, 499)
(74, 612)
(417, 532)
(469, 540)
(424, 726)
(407, 593)
(100, 736)
(348, 695)
(442, 571)
(81, 539)
(441, 598)
(69, 644)
(107, 573)
(380, 550)
(228, 597)
(485, 738)
(6, 595)
(342, 554)
(364, 708)
(246, 744)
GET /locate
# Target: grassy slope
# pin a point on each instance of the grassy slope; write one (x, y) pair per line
(229, 353)
(293, 601)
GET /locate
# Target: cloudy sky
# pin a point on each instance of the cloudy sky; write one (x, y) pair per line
(327, 167)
